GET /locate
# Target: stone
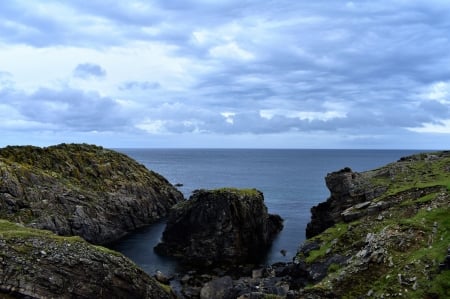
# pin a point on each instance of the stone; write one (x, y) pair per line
(223, 226)
(218, 288)
(161, 277)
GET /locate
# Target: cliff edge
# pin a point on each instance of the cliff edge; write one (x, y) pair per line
(80, 189)
(382, 233)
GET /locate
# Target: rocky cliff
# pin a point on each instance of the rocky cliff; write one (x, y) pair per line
(38, 264)
(79, 189)
(220, 226)
(383, 233)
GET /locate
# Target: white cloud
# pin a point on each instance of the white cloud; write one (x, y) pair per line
(230, 51)
(228, 117)
(439, 127)
(152, 126)
(439, 91)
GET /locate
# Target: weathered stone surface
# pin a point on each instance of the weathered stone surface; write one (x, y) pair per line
(79, 189)
(219, 288)
(348, 188)
(220, 226)
(39, 264)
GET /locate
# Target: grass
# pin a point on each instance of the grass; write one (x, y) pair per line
(416, 236)
(242, 192)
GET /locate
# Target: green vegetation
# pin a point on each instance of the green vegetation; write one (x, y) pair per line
(241, 192)
(397, 252)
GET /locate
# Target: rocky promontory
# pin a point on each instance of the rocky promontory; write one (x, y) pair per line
(223, 226)
(80, 189)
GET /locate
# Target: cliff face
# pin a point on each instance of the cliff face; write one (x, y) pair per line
(382, 233)
(347, 189)
(82, 190)
(220, 226)
(39, 264)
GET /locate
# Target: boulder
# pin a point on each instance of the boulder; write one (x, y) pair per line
(39, 264)
(224, 226)
(80, 189)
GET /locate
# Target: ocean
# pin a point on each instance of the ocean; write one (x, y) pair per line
(292, 182)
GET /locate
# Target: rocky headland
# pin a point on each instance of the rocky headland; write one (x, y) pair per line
(223, 226)
(82, 190)
(383, 233)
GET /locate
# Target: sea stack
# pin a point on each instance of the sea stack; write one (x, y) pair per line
(223, 226)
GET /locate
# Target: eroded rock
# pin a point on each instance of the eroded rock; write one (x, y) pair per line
(220, 226)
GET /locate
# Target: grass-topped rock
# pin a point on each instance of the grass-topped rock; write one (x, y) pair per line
(80, 189)
(222, 226)
(386, 232)
(39, 264)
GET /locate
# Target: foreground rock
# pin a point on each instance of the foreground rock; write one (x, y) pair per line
(79, 189)
(224, 226)
(39, 264)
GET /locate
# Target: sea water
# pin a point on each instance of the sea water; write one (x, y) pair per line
(292, 182)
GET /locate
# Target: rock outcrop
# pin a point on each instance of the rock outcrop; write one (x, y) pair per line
(347, 189)
(224, 226)
(382, 233)
(38, 264)
(79, 189)
(388, 238)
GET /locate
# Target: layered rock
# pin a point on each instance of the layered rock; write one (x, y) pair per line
(79, 189)
(223, 226)
(384, 232)
(39, 264)
(347, 189)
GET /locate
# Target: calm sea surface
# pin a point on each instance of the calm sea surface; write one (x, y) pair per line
(292, 182)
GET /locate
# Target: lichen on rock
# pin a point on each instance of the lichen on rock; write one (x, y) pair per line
(80, 189)
(38, 264)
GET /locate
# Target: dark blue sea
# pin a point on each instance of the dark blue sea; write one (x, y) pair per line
(292, 182)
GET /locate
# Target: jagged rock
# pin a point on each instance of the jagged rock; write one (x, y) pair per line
(220, 226)
(39, 264)
(79, 189)
(348, 188)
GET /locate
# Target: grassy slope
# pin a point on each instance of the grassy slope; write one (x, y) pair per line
(413, 236)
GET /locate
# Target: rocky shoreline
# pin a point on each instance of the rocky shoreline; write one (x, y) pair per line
(381, 233)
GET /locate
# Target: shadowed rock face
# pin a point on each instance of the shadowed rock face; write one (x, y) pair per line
(222, 226)
(79, 189)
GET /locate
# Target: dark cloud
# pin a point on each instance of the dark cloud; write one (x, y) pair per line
(69, 109)
(139, 85)
(88, 70)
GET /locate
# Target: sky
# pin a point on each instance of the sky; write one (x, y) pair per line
(226, 74)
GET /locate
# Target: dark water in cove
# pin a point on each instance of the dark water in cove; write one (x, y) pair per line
(292, 182)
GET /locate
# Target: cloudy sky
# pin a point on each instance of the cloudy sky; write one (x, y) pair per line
(234, 73)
